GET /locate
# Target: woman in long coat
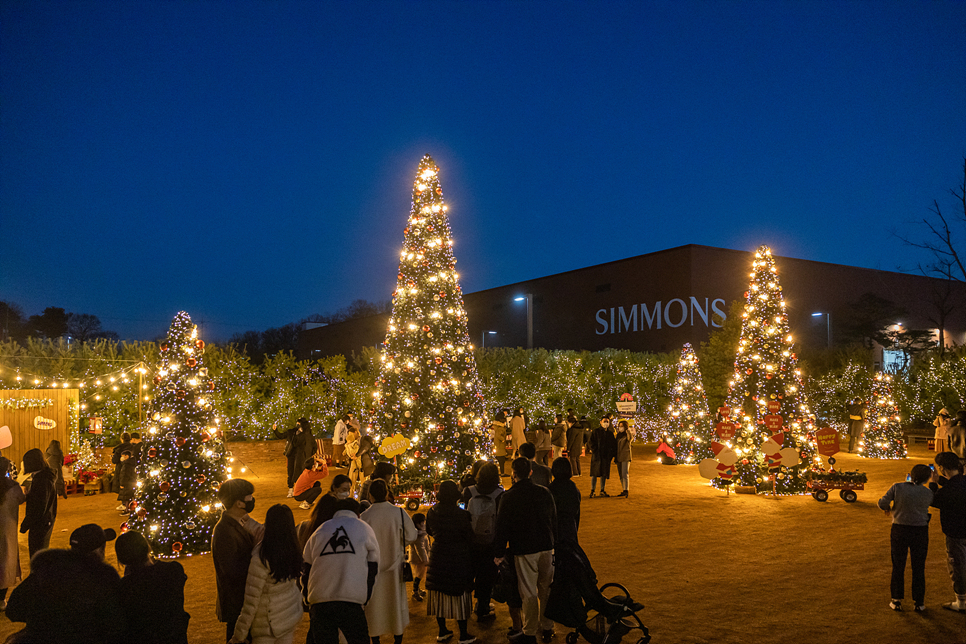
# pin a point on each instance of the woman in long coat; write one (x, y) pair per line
(55, 461)
(388, 608)
(11, 496)
(449, 577)
(41, 510)
(622, 457)
(603, 449)
(518, 430)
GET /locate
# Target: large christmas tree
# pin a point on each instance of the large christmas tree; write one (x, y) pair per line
(775, 434)
(883, 433)
(428, 387)
(183, 459)
(690, 427)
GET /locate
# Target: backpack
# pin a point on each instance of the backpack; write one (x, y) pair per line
(482, 509)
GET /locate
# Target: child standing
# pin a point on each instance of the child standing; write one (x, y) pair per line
(949, 495)
(419, 555)
(908, 505)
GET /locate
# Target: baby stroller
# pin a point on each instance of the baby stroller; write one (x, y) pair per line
(600, 615)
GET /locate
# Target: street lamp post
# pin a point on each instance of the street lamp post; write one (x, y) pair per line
(485, 333)
(828, 325)
(528, 297)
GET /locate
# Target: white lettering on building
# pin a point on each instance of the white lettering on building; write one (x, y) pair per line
(676, 312)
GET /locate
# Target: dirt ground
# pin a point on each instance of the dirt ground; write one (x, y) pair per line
(709, 567)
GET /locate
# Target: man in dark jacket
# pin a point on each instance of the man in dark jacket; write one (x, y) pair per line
(575, 443)
(526, 522)
(235, 536)
(116, 459)
(41, 507)
(949, 495)
(299, 447)
(558, 437)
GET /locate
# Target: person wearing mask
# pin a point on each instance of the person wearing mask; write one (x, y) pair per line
(481, 501)
(11, 497)
(539, 474)
(622, 456)
(388, 609)
(603, 448)
(518, 431)
(498, 434)
(541, 441)
(339, 490)
(908, 505)
(383, 471)
(235, 536)
(70, 597)
(273, 600)
(526, 523)
(343, 555)
(338, 441)
(948, 487)
(308, 487)
(55, 461)
(41, 503)
(151, 593)
(575, 443)
(449, 578)
(116, 460)
(299, 447)
(91, 539)
(558, 437)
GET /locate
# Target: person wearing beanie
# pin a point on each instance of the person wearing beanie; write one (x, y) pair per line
(151, 593)
(90, 539)
(234, 537)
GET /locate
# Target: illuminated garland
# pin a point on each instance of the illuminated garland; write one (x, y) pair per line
(688, 417)
(25, 403)
(428, 388)
(183, 459)
(883, 433)
(767, 373)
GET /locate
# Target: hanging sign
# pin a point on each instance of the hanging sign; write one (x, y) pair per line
(96, 425)
(828, 441)
(725, 431)
(773, 422)
(724, 411)
(44, 423)
(626, 407)
(394, 446)
(774, 406)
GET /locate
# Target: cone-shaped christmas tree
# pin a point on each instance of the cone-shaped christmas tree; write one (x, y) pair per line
(690, 428)
(775, 437)
(183, 460)
(428, 388)
(883, 433)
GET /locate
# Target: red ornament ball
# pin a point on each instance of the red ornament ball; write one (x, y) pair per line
(439, 360)
(179, 441)
(152, 452)
(176, 546)
(201, 479)
(164, 346)
(142, 513)
(426, 328)
(417, 454)
(124, 527)
(191, 362)
(165, 486)
(200, 344)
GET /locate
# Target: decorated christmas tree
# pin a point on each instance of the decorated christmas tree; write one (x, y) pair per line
(428, 388)
(883, 434)
(183, 459)
(690, 427)
(774, 437)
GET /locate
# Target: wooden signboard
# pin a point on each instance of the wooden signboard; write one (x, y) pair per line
(20, 410)
(828, 441)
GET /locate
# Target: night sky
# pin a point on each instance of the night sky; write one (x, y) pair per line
(252, 162)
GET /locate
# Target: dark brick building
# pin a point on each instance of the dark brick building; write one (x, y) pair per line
(659, 301)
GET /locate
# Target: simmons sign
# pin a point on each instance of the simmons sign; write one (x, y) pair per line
(673, 313)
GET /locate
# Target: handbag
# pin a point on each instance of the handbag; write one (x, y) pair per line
(407, 569)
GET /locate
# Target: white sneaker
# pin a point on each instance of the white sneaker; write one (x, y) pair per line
(304, 505)
(291, 493)
(955, 606)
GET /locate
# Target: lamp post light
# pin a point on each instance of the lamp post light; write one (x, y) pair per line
(828, 325)
(486, 333)
(528, 297)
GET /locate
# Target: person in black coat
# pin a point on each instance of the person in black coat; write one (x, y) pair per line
(116, 459)
(449, 576)
(575, 443)
(55, 461)
(603, 449)
(299, 447)
(151, 593)
(41, 506)
(127, 477)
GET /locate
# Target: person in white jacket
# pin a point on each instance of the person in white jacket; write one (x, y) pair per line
(273, 601)
(388, 608)
(518, 428)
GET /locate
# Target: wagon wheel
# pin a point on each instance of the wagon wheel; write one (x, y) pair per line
(412, 504)
(842, 494)
(821, 495)
(849, 496)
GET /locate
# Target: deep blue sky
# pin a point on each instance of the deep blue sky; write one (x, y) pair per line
(251, 162)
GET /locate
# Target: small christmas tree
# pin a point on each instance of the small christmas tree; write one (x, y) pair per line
(883, 434)
(690, 433)
(428, 387)
(183, 459)
(766, 396)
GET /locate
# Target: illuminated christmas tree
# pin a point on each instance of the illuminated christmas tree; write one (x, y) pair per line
(690, 433)
(428, 387)
(775, 434)
(183, 459)
(883, 434)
